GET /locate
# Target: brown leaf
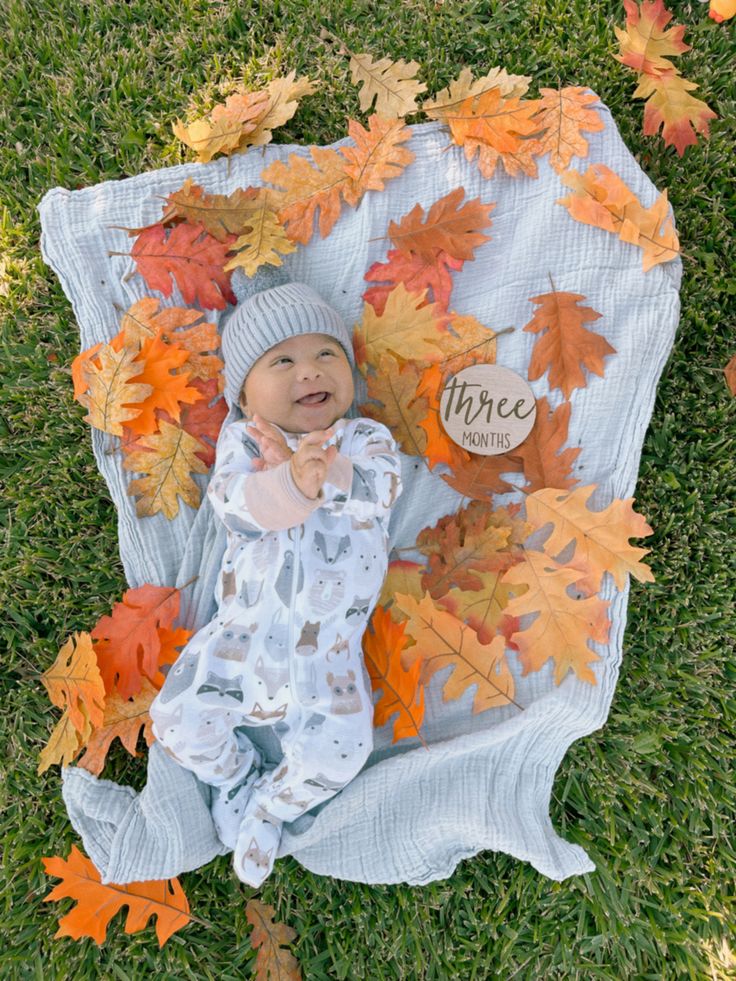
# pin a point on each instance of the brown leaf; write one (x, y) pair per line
(269, 939)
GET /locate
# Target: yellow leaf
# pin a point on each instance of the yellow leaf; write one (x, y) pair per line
(110, 390)
(390, 83)
(601, 536)
(74, 680)
(168, 462)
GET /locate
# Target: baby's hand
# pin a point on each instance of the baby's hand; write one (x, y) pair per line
(271, 443)
(310, 463)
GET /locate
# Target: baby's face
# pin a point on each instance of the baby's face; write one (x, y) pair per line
(293, 368)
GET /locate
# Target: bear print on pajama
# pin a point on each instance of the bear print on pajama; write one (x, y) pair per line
(285, 647)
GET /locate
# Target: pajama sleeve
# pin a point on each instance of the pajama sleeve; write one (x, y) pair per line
(365, 480)
(253, 502)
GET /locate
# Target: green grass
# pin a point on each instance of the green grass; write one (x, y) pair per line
(89, 91)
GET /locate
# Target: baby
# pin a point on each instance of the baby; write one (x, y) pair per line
(306, 496)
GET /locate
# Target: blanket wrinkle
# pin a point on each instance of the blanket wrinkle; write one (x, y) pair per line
(486, 781)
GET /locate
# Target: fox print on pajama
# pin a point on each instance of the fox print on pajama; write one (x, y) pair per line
(299, 580)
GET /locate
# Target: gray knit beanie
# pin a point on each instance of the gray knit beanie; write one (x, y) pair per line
(270, 309)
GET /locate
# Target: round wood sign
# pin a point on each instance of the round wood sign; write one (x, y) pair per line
(487, 409)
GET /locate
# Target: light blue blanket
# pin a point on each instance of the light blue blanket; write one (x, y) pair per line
(485, 783)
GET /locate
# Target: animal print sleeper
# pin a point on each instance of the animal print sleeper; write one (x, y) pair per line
(299, 580)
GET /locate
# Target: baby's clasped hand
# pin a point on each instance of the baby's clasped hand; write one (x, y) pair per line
(310, 462)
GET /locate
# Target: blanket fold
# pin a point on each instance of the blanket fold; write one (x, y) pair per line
(486, 780)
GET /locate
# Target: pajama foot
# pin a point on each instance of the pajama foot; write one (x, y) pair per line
(256, 847)
(229, 806)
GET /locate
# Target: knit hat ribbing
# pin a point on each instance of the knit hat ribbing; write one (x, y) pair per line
(271, 309)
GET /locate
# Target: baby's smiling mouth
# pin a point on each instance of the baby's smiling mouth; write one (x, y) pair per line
(318, 399)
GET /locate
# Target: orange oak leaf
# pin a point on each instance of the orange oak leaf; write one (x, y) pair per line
(348, 172)
(565, 345)
(443, 640)
(482, 476)
(564, 114)
(98, 903)
(602, 199)
(269, 938)
(157, 361)
(485, 609)
(645, 44)
(128, 643)
(601, 537)
(440, 448)
(167, 459)
(191, 256)
(221, 215)
(400, 689)
(417, 275)
(463, 544)
(544, 462)
(123, 720)
(376, 156)
(449, 226)
(74, 680)
(498, 128)
(564, 625)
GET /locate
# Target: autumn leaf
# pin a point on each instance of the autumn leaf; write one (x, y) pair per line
(408, 327)
(670, 106)
(123, 720)
(496, 128)
(565, 345)
(376, 156)
(402, 576)
(157, 361)
(400, 688)
(564, 625)
(202, 420)
(730, 374)
(602, 199)
(417, 276)
(221, 215)
(168, 459)
(448, 101)
(645, 44)
(390, 83)
(449, 226)
(721, 10)
(269, 938)
(74, 680)
(128, 641)
(264, 242)
(401, 410)
(98, 903)
(223, 131)
(109, 394)
(191, 256)
(601, 537)
(64, 742)
(443, 640)
(544, 462)
(439, 447)
(348, 172)
(284, 95)
(564, 114)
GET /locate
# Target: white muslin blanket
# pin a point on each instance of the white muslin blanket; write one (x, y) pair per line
(485, 782)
